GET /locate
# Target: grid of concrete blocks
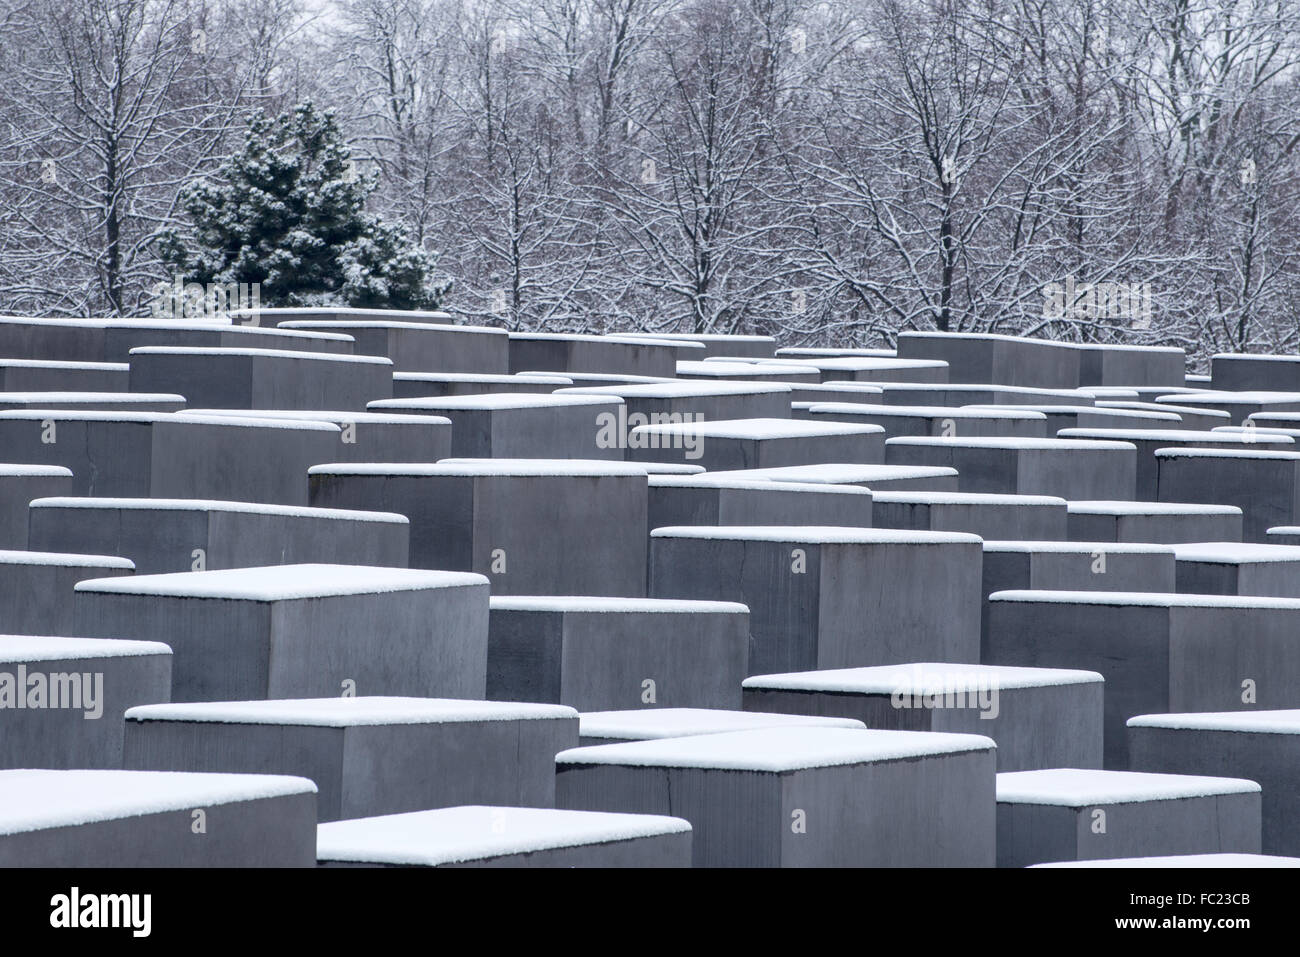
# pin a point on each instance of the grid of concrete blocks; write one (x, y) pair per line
(357, 588)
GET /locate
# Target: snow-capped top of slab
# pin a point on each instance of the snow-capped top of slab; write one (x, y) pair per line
(978, 387)
(1018, 443)
(257, 354)
(228, 327)
(14, 648)
(486, 467)
(87, 415)
(277, 311)
(490, 401)
(622, 468)
(615, 606)
(718, 337)
(919, 677)
(1112, 548)
(342, 712)
(651, 724)
(454, 835)
(816, 535)
(818, 351)
(1245, 722)
(490, 377)
(1083, 787)
(861, 387)
(1255, 357)
(1150, 599)
(989, 336)
(840, 473)
(1185, 860)
(31, 398)
(25, 471)
(712, 480)
(1236, 553)
(1274, 417)
(1263, 433)
(1101, 507)
(64, 364)
(211, 505)
(1161, 415)
(1275, 530)
(762, 429)
(249, 420)
(1244, 452)
(387, 324)
(65, 559)
(928, 411)
(1201, 410)
(871, 363)
(1160, 435)
(723, 369)
(676, 390)
(282, 582)
(70, 323)
(34, 800)
(967, 498)
(777, 749)
(1212, 397)
(1109, 392)
(338, 418)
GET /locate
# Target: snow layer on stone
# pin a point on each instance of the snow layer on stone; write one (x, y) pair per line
(277, 311)
(777, 749)
(340, 712)
(65, 559)
(87, 415)
(1279, 416)
(229, 327)
(1152, 435)
(886, 679)
(1083, 410)
(25, 471)
(485, 467)
(930, 411)
(724, 369)
(34, 800)
(718, 337)
(1083, 787)
(495, 378)
(1245, 722)
(762, 429)
(1197, 861)
(281, 582)
(651, 724)
(14, 648)
(1255, 357)
(1242, 453)
(977, 387)
(1016, 443)
(1201, 410)
(338, 418)
(257, 353)
(713, 481)
(1236, 553)
(816, 535)
(211, 505)
(31, 398)
(840, 473)
(494, 400)
(1211, 396)
(677, 390)
(1142, 598)
(249, 420)
(457, 834)
(1101, 507)
(967, 498)
(605, 466)
(64, 364)
(311, 324)
(1110, 548)
(616, 606)
(1109, 392)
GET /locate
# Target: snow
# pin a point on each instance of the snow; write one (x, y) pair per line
(1110, 548)
(677, 390)
(1254, 357)
(977, 387)
(1156, 435)
(64, 364)
(1081, 787)
(85, 415)
(1211, 397)
(1236, 453)
(1100, 507)
(1199, 861)
(1275, 416)
(1202, 410)
(257, 353)
(312, 324)
(717, 337)
(929, 411)
(1142, 598)
(494, 400)
(26, 471)
(762, 429)
(275, 312)
(967, 498)
(31, 398)
(1244, 722)
(210, 505)
(457, 834)
(33, 800)
(64, 559)
(64, 323)
(15, 648)
(712, 480)
(1236, 553)
(777, 749)
(495, 378)
(231, 328)
(756, 370)
(841, 473)
(1014, 443)
(816, 535)
(871, 363)
(1077, 410)
(861, 387)
(563, 466)
(281, 582)
(338, 418)
(887, 679)
(581, 468)
(248, 420)
(615, 606)
(343, 712)
(1109, 392)
(649, 724)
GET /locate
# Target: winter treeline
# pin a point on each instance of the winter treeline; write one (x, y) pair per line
(1100, 170)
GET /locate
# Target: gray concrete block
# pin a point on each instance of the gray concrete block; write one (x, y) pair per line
(695, 401)
(421, 385)
(825, 392)
(420, 346)
(1265, 485)
(1260, 373)
(1196, 419)
(63, 698)
(1262, 746)
(1165, 523)
(109, 453)
(367, 755)
(822, 597)
(899, 478)
(294, 631)
(651, 724)
(972, 393)
(94, 401)
(1238, 405)
(1067, 814)
(370, 436)
(1234, 568)
(757, 443)
(710, 500)
(262, 378)
(874, 369)
(19, 485)
(534, 526)
(790, 372)
(1195, 861)
(1025, 517)
(36, 588)
(176, 535)
(106, 818)
(1158, 652)
(1039, 717)
(564, 352)
(1009, 360)
(1065, 417)
(802, 797)
(1123, 365)
(605, 653)
(46, 375)
(719, 344)
(1022, 466)
(935, 420)
(506, 837)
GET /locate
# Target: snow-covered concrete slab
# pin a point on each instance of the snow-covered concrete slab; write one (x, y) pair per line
(1009, 360)
(787, 372)
(650, 724)
(824, 597)
(806, 393)
(935, 420)
(900, 478)
(369, 436)
(794, 797)
(36, 588)
(695, 401)
(712, 500)
(419, 385)
(605, 653)
(1196, 419)
(1039, 717)
(367, 755)
(1029, 517)
(973, 393)
(563, 353)
(1264, 484)
(478, 836)
(1090, 416)
(723, 445)
(1194, 861)
(19, 485)
(293, 631)
(1110, 364)
(1165, 523)
(1236, 568)
(96, 401)
(1231, 372)
(108, 453)
(427, 346)
(48, 375)
(876, 369)
(724, 344)
(1239, 405)
(1063, 814)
